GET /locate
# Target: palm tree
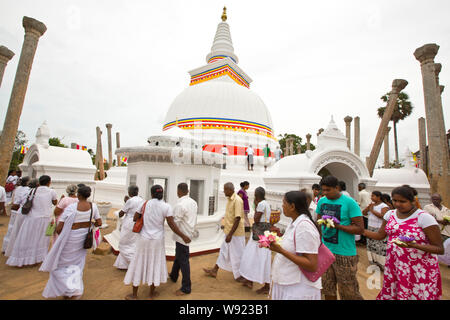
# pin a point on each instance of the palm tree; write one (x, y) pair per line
(403, 108)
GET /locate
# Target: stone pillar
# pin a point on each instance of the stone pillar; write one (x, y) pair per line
(308, 141)
(386, 148)
(437, 145)
(290, 146)
(99, 155)
(423, 144)
(437, 70)
(397, 86)
(110, 160)
(33, 31)
(348, 122)
(299, 149)
(5, 56)
(118, 146)
(357, 143)
(320, 131)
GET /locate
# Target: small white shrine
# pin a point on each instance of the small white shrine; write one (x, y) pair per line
(65, 166)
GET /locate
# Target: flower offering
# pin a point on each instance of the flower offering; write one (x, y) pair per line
(401, 240)
(268, 237)
(328, 221)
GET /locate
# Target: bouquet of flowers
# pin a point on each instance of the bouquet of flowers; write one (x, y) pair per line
(400, 240)
(446, 218)
(268, 237)
(328, 221)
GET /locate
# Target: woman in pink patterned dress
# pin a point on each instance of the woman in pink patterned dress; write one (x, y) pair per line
(412, 268)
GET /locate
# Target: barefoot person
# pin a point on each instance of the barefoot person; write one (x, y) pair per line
(67, 258)
(299, 248)
(255, 266)
(148, 264)
(185, 216)
(128, 238)
(412, 268)
(233, 247)
(341, 275)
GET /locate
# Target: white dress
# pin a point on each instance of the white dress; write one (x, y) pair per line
(31, 245)
(288, 282)
(148, 265)
(66, 259)
(128, 238)
(256, 261)
(19, 193)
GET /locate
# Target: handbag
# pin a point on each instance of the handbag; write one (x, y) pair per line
(26, 208)
(259, 228)
(140, 221)
(325, 259)
(88, 242)
(51, 228)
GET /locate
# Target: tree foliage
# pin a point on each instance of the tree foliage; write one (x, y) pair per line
(17, 158)
(56, 142)
(403, 109)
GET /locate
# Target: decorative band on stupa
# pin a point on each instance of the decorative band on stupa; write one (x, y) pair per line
(222, 124)
(219, 72)
(219, 57)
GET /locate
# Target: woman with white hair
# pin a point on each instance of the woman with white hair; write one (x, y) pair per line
(31, 245)
(64, 203)
(66, 259)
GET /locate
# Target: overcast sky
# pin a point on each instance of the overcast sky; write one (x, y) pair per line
(124, 62)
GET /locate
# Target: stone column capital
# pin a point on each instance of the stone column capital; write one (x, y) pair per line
(109, 125)
(398, 85)
(426, 53)
(5, 54)
(437, 68)
(348, 119)
(308, 136)
(33, 26)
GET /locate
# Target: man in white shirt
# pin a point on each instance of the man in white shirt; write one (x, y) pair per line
(185, 216)
(439, 211)
(2, 201)
(224, 151)
(278, 153)
(364, 199)
(250, 153)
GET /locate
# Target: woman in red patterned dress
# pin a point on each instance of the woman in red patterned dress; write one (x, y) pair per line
(412, 268)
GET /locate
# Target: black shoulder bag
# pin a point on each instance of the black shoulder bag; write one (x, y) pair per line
(26, 208)
(90, 236)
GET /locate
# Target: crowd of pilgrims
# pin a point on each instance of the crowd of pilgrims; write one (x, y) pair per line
(377, 220)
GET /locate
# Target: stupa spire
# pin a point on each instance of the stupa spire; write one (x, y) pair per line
(222, 46)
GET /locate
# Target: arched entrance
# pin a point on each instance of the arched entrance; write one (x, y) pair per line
(344, 173)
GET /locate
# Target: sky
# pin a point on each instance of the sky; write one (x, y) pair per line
(124, 62)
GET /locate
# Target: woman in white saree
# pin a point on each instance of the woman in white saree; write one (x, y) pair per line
(67, 258)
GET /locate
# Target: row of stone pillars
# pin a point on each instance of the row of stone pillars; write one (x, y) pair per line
(289, 150)
(357, 134)
(34, 29)
(99, 151)
(438, 150)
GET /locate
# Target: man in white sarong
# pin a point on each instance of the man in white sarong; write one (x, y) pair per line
(233, 247)
(185, 217)
(128, 238)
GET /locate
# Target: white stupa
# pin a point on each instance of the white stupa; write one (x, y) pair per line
(219, 108)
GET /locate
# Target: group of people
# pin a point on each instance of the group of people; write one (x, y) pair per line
(32, 232)
(411, 267)
(250, 153)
